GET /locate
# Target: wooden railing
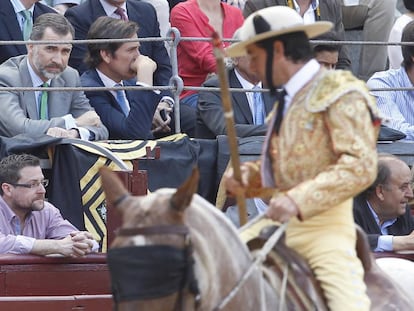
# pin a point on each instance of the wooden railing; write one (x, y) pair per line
(36, 283)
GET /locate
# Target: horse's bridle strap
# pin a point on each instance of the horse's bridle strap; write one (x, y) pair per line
(152, 230)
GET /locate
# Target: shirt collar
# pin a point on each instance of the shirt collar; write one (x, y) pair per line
(107, 81)
(302, 77)
(244, 83)
(385, 225)
(314, 4)
(110, 9)
(18, 6)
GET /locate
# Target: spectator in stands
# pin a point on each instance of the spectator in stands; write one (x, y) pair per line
(250, 109)
(327, 54)
(14, 26)
(376, 19)
(62, 5)
(59, 114)
(29, 224)
(394, 51)
(382, 209)
(126, 114)
(327, 10)
(200, 18)
(397, 106)
(82, 16)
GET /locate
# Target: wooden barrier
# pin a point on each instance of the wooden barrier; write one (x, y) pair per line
(30, 282)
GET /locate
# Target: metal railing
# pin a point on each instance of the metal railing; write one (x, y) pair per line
(176, 84)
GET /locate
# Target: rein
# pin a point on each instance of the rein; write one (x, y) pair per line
(260, 258)
(184, 272)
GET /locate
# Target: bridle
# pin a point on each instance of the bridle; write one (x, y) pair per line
(182, 268)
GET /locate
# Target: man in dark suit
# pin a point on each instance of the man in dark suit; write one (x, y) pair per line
(210, 117)
(82, 16)
(11, 23)
(126, 114)
(382, 209)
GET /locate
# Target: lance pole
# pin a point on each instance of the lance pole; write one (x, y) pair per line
(228, 116)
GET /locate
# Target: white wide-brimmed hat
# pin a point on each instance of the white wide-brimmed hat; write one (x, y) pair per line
(280, 20)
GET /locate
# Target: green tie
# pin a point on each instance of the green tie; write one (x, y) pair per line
(28, 24)
(43, 104)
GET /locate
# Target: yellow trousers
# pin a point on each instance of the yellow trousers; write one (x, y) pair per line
(327, 242)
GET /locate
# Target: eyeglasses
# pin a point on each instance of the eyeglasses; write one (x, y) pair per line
(33, 184)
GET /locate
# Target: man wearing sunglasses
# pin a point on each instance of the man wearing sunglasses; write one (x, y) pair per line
(29, 224)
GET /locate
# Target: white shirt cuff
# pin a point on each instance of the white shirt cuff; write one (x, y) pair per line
(384, 243)
(70, 123)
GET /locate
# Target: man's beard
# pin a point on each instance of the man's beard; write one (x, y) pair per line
(43, 69)
(38, 205)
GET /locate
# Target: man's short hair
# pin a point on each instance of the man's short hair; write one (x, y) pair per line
(383, 174)
(328, 36)
(296, 46)
(11, 166)
(409, 5)
(57, 22)
(408, 50)
(106, 27)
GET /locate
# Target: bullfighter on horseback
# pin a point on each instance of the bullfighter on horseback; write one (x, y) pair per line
(319, 152)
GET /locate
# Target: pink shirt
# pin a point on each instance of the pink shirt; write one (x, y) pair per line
(195, 58)
(45, 224)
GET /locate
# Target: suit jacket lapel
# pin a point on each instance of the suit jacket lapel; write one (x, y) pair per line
(97, 10)
(29, 103)
(240, 99)
(9, 21)
(269, 102)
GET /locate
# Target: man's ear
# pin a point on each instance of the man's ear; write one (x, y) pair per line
(106, 56)
(278, 49)
(6, 189)
(379, 191)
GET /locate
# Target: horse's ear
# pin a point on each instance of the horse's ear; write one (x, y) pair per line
(184, 194)
(112, 185)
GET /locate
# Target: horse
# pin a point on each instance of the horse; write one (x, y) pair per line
(209, 258)
(175, 251)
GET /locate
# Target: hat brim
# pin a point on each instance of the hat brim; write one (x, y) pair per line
(311, 30)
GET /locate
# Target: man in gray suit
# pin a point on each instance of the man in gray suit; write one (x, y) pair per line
(58, 113)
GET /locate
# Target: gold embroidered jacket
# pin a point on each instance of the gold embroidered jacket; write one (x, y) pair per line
(326, 149)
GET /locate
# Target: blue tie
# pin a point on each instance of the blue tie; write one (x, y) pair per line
(27, 25)
(122, 102)
(258, 107)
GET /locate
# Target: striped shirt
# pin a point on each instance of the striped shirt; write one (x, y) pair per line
(396, 107)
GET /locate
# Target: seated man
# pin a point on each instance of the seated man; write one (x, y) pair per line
(60, 113)
(29, 224)
(126, 114)
(397, 106)
(325, 53)
(250, 109)
(382, 209)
